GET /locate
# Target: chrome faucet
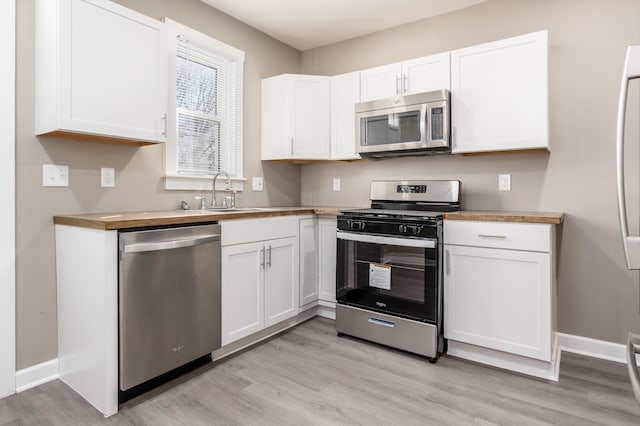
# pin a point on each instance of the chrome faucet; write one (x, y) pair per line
(214, 203)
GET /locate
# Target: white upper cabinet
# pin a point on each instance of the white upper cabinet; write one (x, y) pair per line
(426, 74)
(404, 78)
(100, 70)
(380, 82)
(345, 94)
(295, 117)
(499, 95)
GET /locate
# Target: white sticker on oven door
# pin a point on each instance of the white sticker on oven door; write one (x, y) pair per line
(380, 276)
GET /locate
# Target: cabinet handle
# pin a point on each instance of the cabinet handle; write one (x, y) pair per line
(397, 84)
(269, 257)
(405, 83)
(500, 237)
(262, 257)
(291, 153)
(164, 119)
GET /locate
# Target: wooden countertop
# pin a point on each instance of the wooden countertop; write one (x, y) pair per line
(506, 216)
(111, 221)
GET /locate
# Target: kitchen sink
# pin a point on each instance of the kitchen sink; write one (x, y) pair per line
(233, 209)
(230, 209)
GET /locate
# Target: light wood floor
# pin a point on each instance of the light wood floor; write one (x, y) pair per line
(309, 376)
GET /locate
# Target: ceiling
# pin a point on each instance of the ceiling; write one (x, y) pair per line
(313, 23)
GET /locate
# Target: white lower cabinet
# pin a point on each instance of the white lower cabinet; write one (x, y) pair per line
(259, 275)
(327, 228)
(308, 261)
(499, 295)
(281, 280)
(318, 262)
(243, 291)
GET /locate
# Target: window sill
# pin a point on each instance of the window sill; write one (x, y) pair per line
(200, 183)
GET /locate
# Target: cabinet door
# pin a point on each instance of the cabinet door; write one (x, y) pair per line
(111, 71)
(308, 261)
(499, 299)
(426, 74)
(499, 95)
(275, 140)
(327, 258)
(310, 121)
(242, 293)
(345, 94)
(281, 280)
(380, 82)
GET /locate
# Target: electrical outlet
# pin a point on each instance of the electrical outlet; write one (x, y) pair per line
(55, 175)
(336, 184)
(504, 182)
(107, 177)
(257, 183)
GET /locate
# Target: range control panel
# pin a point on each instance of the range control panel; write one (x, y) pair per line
(411, 189)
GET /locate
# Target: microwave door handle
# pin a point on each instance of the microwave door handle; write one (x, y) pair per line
(631, 244)
(425, 125)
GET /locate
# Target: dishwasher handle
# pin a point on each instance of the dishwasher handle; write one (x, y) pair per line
(171, 244)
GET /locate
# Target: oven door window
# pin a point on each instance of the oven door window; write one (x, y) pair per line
(388, 278)
(391, 128)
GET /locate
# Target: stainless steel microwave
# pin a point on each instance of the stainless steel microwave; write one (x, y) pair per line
(406, 125)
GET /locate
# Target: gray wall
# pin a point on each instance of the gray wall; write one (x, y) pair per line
(139, 184)
(597, 296)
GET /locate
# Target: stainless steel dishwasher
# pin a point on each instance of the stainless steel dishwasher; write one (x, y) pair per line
(169, 300)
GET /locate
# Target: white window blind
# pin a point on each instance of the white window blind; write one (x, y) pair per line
(205, 109)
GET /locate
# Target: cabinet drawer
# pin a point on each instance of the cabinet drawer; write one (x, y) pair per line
(249, 230)
(516, 236)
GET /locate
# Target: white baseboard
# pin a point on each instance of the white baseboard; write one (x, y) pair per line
(38, 374)
(594, 348)
(327, 311)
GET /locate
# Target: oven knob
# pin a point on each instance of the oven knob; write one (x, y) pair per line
(359, 226)
(402, 228)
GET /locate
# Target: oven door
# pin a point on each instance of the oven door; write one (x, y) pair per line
(393, 275)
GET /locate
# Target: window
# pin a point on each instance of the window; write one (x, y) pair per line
(205, 109)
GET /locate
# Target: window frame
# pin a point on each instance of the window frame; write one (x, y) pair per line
(196, 181)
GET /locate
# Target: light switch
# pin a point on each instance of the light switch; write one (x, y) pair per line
(257, 183)
(107, 177)
(504, 182)
(336, 184)
(55, 175)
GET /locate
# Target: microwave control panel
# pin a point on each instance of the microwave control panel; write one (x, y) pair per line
(437, 124)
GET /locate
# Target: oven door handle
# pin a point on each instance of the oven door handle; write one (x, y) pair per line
(394, 241)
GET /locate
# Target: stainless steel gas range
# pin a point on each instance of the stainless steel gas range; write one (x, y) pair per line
(389, 265)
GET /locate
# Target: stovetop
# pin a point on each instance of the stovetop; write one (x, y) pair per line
(393, 213)
(413, 208)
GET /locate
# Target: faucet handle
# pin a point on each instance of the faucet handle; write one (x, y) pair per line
(203, 202)
(233, 199)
